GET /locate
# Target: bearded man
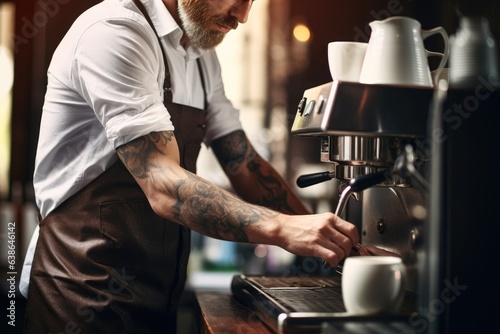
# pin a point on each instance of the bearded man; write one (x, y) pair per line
(134, 89)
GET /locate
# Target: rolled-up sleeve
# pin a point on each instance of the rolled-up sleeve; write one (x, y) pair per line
(121, 78)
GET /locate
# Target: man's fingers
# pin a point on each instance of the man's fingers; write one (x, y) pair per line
(359, 250)
(348, 229)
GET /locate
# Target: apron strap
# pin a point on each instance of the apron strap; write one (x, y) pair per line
(167, 84)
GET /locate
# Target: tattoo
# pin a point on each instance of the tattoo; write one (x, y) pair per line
(198, 205)
(231, 149)
(235, 153)
(215, 212)
(137, 154)
(276, 193)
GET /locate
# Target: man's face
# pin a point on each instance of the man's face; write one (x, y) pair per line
(206, 22)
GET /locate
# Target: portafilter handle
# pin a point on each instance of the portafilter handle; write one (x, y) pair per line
(314, 178)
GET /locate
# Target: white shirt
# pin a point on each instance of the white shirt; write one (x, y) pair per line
(105, 88)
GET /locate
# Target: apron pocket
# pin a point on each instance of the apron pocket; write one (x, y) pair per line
(135, 235)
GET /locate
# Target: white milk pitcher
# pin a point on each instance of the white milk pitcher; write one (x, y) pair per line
(396, 54)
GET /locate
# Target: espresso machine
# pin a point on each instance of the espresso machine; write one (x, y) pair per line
(370, 137)
(403, 157)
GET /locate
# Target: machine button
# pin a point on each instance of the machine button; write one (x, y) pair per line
(381, 226)
(414, 238)
(321, 104)
(309, 107)
(302, 106)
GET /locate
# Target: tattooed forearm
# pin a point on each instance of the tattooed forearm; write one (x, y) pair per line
(215, 212)
(136, 154)
(276, 192)
(236, 155)
(232, 151)
(185, 198)
(232, 147)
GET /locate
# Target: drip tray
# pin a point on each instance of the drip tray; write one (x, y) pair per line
(311, 305)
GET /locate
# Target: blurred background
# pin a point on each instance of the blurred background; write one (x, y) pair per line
(267, 64)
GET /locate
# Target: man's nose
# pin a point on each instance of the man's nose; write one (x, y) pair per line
(241, 10)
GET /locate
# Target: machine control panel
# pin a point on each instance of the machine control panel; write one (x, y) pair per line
(348, 108)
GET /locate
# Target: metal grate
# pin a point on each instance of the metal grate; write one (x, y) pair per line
(301, 294)
(305, 304)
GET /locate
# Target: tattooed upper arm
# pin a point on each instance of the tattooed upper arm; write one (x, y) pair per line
(140, 154)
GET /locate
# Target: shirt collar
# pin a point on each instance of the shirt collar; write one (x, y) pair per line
(165, 25)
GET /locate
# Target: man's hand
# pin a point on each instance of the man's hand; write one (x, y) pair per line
(324, 235)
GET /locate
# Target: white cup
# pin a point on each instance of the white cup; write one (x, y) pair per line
(345, 60)
(373, 284)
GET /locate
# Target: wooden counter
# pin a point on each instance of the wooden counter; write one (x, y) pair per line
(221, 314)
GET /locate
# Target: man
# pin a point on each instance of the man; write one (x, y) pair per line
(134, 88)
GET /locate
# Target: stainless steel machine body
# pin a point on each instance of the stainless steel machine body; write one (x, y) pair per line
(365, 129)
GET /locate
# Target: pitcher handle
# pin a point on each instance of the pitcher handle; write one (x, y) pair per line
(445, 54)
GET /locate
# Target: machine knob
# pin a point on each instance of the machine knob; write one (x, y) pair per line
(381, 226)
(414, 238)
(302, 106)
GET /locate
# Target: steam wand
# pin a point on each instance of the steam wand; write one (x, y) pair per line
(359, 184)
(356, 185)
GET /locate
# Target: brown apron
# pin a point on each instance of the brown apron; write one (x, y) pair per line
(104, 261)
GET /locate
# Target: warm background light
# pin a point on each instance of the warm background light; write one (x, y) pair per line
(301, 33)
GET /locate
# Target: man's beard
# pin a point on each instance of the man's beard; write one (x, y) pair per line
(196, 23)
